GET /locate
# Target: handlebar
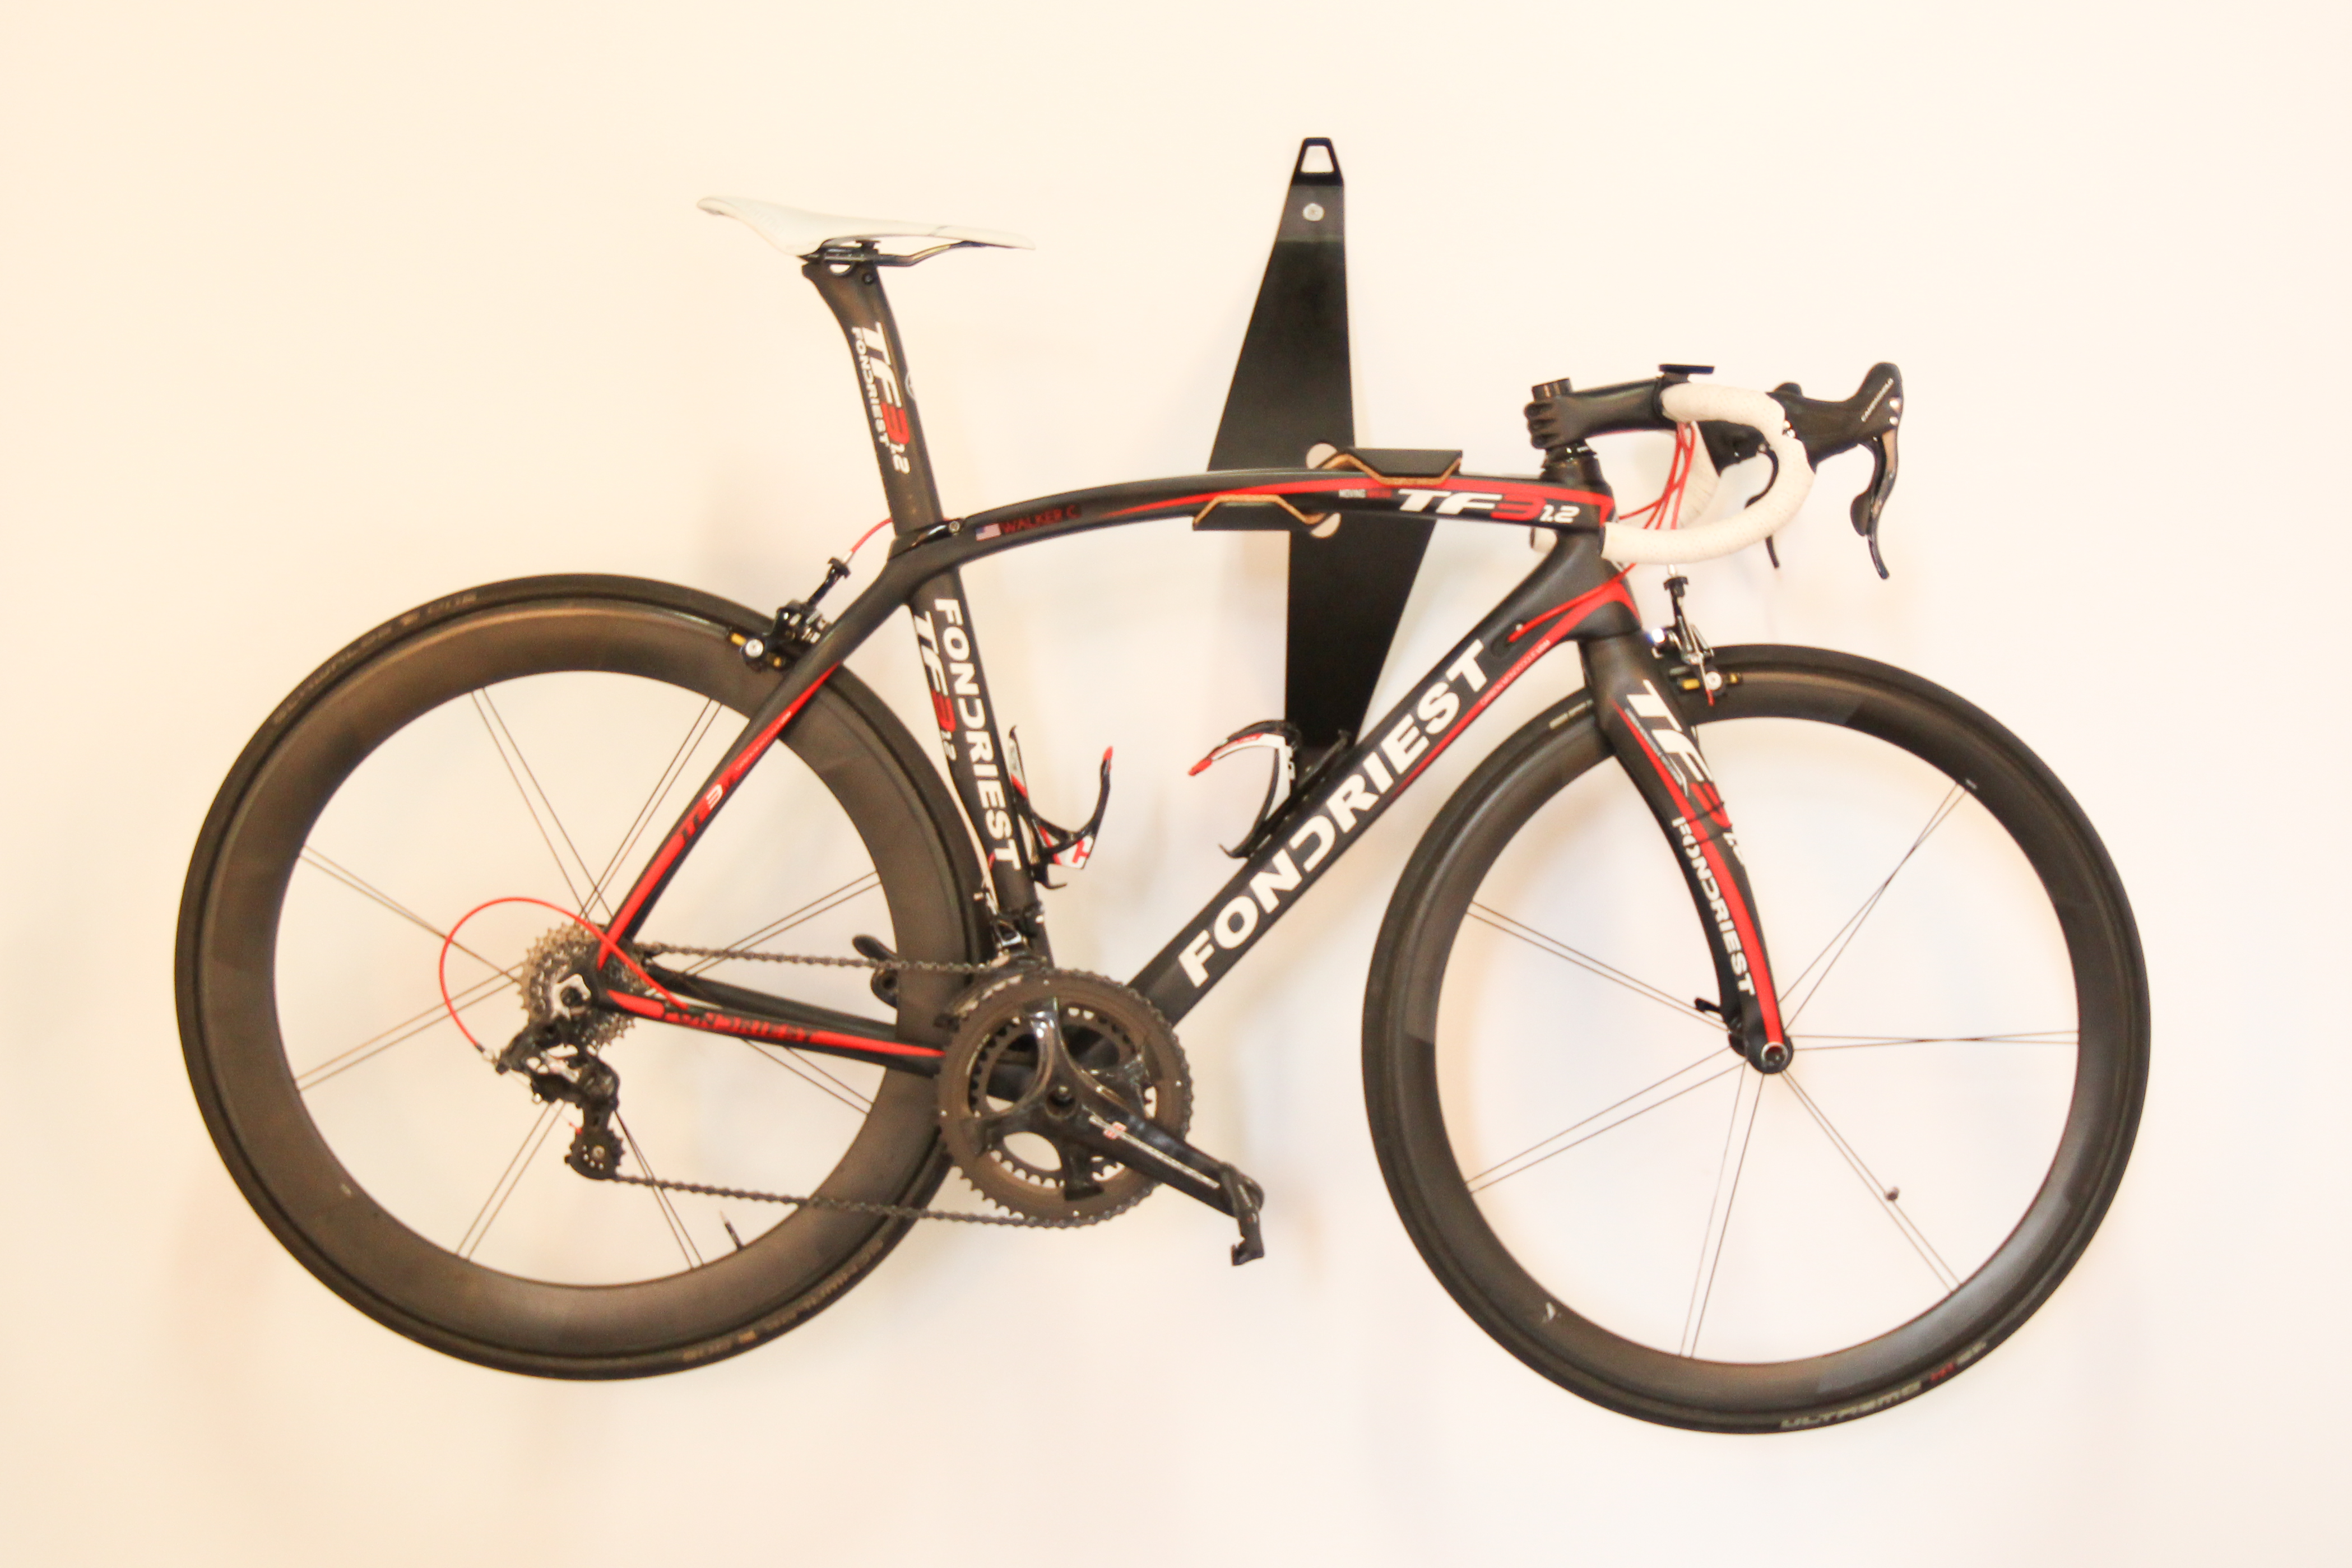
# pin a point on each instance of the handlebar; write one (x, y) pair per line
(1796, 432)
(1687, 403)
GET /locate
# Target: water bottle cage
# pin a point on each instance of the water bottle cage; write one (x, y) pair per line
(1284, 786)
(1050, 844)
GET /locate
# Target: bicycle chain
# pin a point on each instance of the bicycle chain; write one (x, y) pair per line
(842, 1205)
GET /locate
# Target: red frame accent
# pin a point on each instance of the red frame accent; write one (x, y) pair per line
(1572, 615)
(765, 1028)
(1718, 821)
(708, 802)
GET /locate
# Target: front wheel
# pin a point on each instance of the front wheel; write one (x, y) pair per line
(537, 739)
(1634, 1211)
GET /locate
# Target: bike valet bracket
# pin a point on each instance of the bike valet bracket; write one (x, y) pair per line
(1291, 404)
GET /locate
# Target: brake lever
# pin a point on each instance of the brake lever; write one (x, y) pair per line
(1868, 418)
(1871, 502)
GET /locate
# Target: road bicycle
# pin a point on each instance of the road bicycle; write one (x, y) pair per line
(483, 998)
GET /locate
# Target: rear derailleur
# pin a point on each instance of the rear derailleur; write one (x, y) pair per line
(561, 1069)
(557, 1050)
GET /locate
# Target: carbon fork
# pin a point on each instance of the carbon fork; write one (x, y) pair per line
(1640, 705)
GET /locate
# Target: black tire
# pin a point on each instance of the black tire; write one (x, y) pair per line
(531, 738)
(1632, 1211)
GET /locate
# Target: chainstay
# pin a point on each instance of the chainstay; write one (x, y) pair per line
(812, 1201)
(927, 965)
(852, 1206)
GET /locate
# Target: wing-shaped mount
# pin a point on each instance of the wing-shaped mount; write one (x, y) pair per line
(810, 235)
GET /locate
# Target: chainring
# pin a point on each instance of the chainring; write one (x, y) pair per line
(1114, 1034)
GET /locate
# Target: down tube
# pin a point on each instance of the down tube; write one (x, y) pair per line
(1572, 593)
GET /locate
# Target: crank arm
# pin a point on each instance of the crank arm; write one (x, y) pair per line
(1155, 1152)
(1068, 1108)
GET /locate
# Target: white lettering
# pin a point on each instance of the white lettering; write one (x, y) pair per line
(927, 645)
(1195, 959)
(1688, 763)
(1276, 878)
(1350, 799)
(879, 366)
(1466, 666)
(1316, 828)
(1649, 704)
(1438, 705)
(1734, 952)
(1235, 922)
(1403, 744)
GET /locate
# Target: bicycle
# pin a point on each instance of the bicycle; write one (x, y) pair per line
(1661, 1164)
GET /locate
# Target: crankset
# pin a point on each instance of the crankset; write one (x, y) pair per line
(1065, 1097)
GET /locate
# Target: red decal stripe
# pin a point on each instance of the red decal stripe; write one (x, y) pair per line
(1742, 920)
(1611, 592)
(703, 806)
(761, 1029)
(1511, 493)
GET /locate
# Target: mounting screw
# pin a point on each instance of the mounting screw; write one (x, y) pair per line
(754, 649)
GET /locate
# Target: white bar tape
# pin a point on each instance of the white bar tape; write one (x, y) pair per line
(1685, 403)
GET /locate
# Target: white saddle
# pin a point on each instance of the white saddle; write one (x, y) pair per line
(798, 233)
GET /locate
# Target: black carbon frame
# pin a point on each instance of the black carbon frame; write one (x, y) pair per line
(1572, 594)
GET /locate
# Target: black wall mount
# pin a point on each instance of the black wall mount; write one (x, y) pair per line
(1291, 391)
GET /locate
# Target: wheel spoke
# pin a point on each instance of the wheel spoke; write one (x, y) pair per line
(406, 1030)
(802, 1066)
(1795, 991)
(1881, 1195)
(509, 1179)
(371, 891)
(695, 731)
(1864, 1042)
(582, 888)
(1527, 934)
(821, 904)
(1641, 1102)
(668, 1209)
(1749, 1096)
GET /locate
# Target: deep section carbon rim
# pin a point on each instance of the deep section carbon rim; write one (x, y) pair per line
(537, 739)
(1634, 1211)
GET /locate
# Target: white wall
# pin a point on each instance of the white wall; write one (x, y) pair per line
(309, 313)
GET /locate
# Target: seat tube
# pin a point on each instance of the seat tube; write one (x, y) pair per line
(1642, 714)
(854, 291)
(949, 649)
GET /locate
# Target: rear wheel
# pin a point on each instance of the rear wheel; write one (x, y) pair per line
(537, 739)
(1637, 1214)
